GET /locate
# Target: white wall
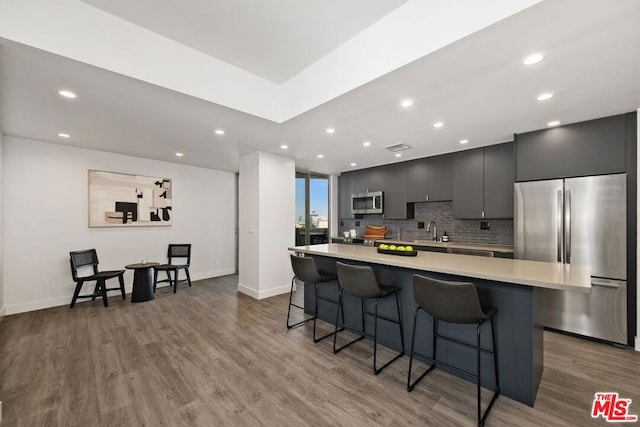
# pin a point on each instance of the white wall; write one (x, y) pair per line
(2, 308)
(45, 217)
(266, 223)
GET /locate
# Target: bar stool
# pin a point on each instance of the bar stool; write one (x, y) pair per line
(360, 282)
(453, 302)
(305, 270)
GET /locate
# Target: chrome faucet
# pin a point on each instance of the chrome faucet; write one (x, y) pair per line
(434, 233)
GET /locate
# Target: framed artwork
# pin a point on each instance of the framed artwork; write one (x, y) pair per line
(123, 200)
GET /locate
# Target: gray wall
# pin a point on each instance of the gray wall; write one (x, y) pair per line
(459, 230)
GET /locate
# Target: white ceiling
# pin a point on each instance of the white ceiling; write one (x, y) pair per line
(273, 39)
(476, 85)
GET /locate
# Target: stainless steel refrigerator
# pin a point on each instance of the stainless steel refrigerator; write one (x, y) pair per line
(578, 221)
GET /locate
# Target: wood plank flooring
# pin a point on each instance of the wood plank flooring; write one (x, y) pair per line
(208, 356)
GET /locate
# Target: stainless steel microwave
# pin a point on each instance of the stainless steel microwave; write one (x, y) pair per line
(367, 203)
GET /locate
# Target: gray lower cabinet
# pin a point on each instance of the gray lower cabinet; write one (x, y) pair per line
(594, 147)
(395, 194)
(483, 181)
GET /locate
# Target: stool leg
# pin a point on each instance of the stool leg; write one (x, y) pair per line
(413, 341)
(339, 309)
(375, 336)
(497, 376)
(375, 340)
(337, 349)
(400, 322)
(495, 356)
(291, 304)
(480, 423)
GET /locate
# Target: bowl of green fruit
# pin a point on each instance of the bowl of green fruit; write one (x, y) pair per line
(397, 250)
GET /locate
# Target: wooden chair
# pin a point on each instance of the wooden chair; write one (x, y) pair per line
(89, 258)
(182, 251)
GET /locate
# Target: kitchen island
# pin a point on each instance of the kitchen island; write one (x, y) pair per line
(513, 287)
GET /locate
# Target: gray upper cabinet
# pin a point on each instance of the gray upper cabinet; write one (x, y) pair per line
(416, 180)
(375, 179)
(440, 178)
(499, 177)
(395, 195)
(483, 183)
(430, 179)
(594, 147)
(468, 184)
(344, 195)
(359, 181)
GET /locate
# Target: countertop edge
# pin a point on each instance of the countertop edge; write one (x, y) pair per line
(409, 262)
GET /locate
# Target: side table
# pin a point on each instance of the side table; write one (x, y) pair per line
(142, 281)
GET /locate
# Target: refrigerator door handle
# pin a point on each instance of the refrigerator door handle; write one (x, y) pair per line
(567, 226)
(559, 225)
(604, 283)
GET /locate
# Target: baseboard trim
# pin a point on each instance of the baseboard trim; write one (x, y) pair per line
(637, 343)
(3, 312)
(263, 294)
(66, 300)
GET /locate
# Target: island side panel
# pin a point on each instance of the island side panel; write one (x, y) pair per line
(518, 333)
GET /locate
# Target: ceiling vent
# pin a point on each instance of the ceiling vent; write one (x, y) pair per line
(397, 147)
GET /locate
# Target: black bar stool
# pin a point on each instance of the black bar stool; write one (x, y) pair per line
(453, 302)
(360, 282)
(305, 270)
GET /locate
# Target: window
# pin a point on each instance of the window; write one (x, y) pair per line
(312, 209)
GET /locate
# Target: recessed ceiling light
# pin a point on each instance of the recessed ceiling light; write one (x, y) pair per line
(330, 130)
(67, 93)
(534, 58)
(398, 154)
(179, 154)
(352, 164)
(366, 144)
(545, 96)
(438, 124)
(464, 141)
(321, 156)
(284, 146)
(64, 135)
(406, 103)
(553, 123)
(219, 132)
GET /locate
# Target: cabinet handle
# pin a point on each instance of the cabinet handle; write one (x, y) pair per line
(427, 197)
(482, 214)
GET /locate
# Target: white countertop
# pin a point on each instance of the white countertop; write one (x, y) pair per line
(530, 273)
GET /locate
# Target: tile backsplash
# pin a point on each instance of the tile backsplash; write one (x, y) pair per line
(458, 230)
